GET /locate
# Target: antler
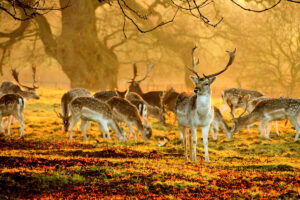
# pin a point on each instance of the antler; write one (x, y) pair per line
(231, 58)
(33, 77)
(149, 69)
(194, 64)
(134, 72)
(59, 115)
(15, 74)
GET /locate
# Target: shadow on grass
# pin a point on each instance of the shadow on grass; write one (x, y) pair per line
(262, 168)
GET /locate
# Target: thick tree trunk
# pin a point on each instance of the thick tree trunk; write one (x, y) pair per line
(86, 62)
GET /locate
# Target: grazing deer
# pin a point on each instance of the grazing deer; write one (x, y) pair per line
(217, 121)
(66, 99)
(250, 107)
(270, 110)
(125, 111)
(235, 98)
(91, 109)
(12, 104)
(193, 110)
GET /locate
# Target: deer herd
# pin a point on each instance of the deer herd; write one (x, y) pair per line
(132, 107)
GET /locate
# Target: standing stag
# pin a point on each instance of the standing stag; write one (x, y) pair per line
(193, 110)
(270, 110)
(91, 109)
(66, 99)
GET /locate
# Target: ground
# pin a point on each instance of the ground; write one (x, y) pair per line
(45, 165)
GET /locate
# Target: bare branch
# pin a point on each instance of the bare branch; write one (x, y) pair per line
(258, 11)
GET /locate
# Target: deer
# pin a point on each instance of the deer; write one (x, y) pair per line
(194, 110)
(153, 111)
(218, 120)
(12, 105)
(90, 109)
(143, 107)
(251, 104)
(235, 98)
(66, 99)
(153, 97)
(124, 111)
(8, 87)
(270, 110)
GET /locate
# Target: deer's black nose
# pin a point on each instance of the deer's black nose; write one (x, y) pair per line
(196, 90)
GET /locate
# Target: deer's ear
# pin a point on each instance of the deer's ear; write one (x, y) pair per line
(194, 79)
(212, 79)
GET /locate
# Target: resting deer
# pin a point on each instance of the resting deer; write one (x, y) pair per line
(235, 98)
(91, 109)
(8, 87)
(12, 104)
(125, 111)
(193, 110)
(66, 99)
(271, 110)
(217, 121)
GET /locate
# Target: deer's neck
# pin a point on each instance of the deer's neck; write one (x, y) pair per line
(203, 102)
(248, 119)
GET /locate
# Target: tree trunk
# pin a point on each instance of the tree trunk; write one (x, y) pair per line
(87, 63)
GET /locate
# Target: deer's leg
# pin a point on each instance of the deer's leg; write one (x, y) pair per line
(249, 126)
(294, 121)
(268, 130)
(106, 130)
(215, 133)
(118, 130)
(20, 117)
(131, 131)
(10, 117)
(232, 110)
(276, 128)
(262, 129)
(205, 141)
(182, 130)
(75, 119)
(1, 126)
(101, 129)
(194, 142)
(83, 127)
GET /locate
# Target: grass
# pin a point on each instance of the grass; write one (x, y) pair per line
(45, 165)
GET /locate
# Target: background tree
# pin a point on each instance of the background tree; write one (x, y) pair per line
(89, 60)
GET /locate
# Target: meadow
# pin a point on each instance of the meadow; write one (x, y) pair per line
(46, 165)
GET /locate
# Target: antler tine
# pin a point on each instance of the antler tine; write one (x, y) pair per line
(194, 64)
(231, 58)
(134, 71)
(15, 75)
(34, 76)
(149, 69)
(59, 115)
